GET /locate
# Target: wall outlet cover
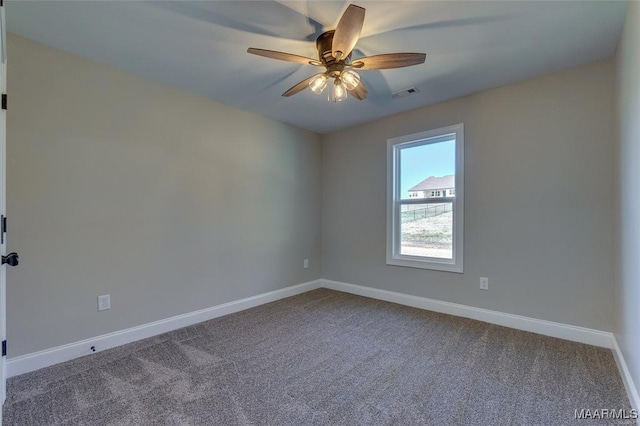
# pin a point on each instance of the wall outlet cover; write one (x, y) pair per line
(484, 283)
(104, 302)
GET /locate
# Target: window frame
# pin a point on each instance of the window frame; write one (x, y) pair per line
(394, 201)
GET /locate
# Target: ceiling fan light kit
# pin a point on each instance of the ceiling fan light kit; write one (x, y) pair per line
(347, 81)
(334, 53)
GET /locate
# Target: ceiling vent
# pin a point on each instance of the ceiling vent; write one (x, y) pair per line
(404, 93)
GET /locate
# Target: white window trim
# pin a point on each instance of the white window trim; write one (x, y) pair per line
(393, 206)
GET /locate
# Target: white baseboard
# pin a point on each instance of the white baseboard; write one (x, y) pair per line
(34, 361)
(632, 391)
(547, 328)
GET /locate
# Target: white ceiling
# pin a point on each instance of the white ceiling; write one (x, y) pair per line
(201, 47)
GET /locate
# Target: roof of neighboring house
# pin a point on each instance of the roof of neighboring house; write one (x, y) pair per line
(433, 182)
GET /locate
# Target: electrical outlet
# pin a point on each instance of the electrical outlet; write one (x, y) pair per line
(306, 263)
(104, 302)
(484, 283)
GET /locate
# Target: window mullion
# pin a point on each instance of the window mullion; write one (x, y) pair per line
(428, 200)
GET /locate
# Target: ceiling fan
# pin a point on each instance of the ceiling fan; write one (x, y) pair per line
(334, 54)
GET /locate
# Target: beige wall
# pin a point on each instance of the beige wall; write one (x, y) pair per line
(539, 207)
(171, 203)
(164, 200)
(628, 294)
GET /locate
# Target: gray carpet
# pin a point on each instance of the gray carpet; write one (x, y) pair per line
(326, 357)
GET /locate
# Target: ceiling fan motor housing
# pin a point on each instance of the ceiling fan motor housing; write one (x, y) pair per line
(323, 44)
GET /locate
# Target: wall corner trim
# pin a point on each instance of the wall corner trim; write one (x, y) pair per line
(45, 358)
(632, 390)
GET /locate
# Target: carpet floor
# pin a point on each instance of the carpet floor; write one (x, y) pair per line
(325, 358)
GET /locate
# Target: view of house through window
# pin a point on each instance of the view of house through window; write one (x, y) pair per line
(427, 172)
(425, 199)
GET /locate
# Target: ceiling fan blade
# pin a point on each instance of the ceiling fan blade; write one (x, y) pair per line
(283, 56)
(347, 32)
(360, 92)
(298, 87)
(389, 60)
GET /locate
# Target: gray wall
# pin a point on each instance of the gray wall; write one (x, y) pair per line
(628, 294)
(539, 207)
(164, 200)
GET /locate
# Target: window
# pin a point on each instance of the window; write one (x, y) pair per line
(426, 231)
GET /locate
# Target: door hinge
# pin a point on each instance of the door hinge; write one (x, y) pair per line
(4, 101)
(3, 228)
(4, 348)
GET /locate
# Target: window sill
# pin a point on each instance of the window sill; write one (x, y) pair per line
(413, 262)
